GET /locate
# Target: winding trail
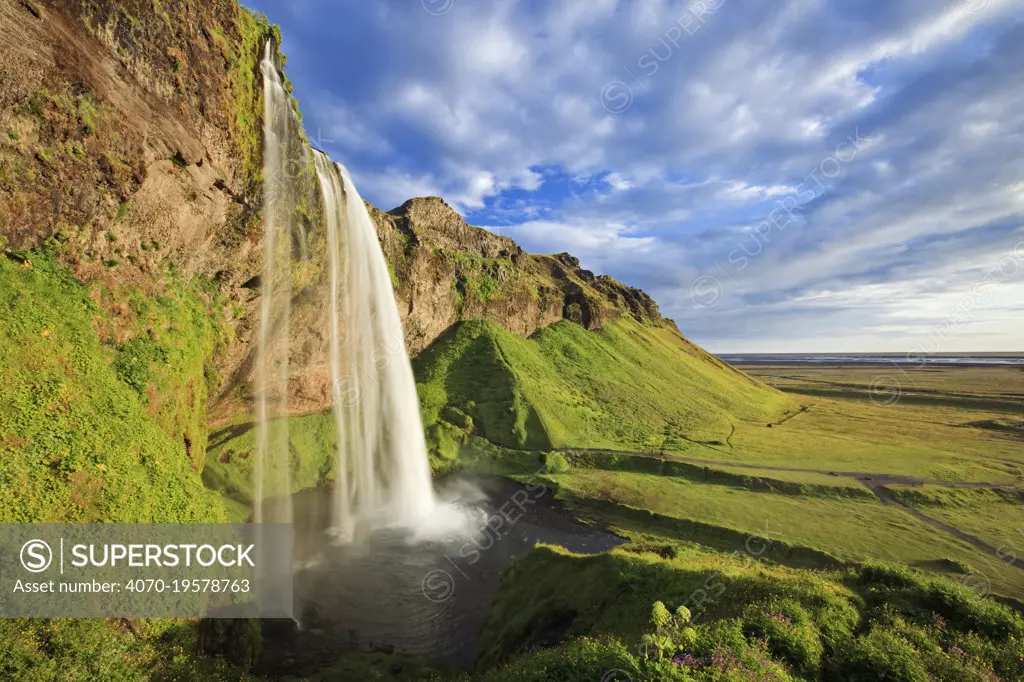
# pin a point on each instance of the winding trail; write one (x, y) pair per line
(803, 408)
(886, 497)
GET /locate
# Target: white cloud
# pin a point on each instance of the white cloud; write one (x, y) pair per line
(617, 181)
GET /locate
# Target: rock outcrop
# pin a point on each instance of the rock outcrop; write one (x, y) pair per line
(446, 271)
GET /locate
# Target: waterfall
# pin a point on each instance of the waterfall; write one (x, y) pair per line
(272, 470)
(383, 471)
(383, 474)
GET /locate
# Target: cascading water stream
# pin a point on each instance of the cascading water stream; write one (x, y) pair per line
(382, 477)
(272, 475)
(383, 470)
(331, 189)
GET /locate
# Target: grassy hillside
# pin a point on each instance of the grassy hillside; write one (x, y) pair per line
(628, 386)
(102, 415)
(634, 615)
(312, 444)
(853, 530)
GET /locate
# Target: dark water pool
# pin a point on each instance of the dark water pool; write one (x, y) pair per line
(426, 596)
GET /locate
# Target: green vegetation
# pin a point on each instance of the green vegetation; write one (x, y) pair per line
(851, 530)
(172, 339)
(380, 666)
(926, 441)
(479, 278)
(801, 484)
(627, 386)
(247, 84)
(80, 441)
(88, 115)
(40, 650)
(312, 444)
(555, 463)
(753, 621)
(751, 551)
(993, 516)
(760, 614)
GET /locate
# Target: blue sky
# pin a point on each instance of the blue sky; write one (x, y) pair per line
(785, 176)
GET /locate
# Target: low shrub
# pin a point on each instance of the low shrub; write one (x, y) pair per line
(881, 654)
(789, 632)
(555, 463)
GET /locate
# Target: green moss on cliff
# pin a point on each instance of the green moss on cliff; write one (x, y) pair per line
(167, 357)
(312, 444)
(244, 57)
(481, 278)
(79, 442)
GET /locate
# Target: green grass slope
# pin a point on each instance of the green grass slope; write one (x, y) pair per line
(86, 432)
(312, 446)
(699, 615)
(627, 386)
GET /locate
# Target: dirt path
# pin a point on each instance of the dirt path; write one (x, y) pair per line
(886, 497)
(803, 408)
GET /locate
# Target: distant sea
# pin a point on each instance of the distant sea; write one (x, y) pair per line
(915, 359)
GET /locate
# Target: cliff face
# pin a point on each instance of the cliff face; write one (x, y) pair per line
(130, 161)
(130, 139)
(447, 271)
(115, 118)
(131, 143)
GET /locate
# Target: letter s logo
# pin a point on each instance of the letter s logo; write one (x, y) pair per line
(36, 556)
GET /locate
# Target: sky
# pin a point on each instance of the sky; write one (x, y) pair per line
(784, 176)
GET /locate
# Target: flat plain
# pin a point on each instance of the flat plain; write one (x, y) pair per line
(918, 465)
